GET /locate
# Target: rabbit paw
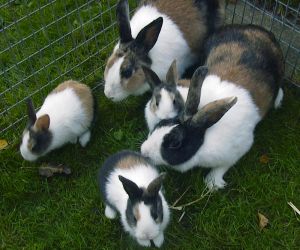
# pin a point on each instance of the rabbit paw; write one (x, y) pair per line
(110, 212)
(144, 243)
(85, 138)
(159, 240)
(214, 180)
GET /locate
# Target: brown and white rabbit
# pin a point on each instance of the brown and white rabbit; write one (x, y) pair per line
(65, 116)
(243, 74)
(159, 32)
(131, 185)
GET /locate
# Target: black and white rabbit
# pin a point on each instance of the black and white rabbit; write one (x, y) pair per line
(243, 75)
(159, 32)
(131, 185)
(168, 97)
(65, 116)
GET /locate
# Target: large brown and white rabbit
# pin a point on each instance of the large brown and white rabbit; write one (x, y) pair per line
(131, 186)
(65, 116)
(244, 70)
(159, 32)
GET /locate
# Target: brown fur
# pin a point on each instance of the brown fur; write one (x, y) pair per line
(184, 83)
(110, 62)
(130, 161)
(153, 106)
(42, 123)
(214, 111)
(240, 74)
(136, 213)
(188, 18)
(83, 92)
(136, 80)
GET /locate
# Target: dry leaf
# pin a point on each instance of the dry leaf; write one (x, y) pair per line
(48, 170)
(262, 221)
(3, 144)
(264, 159)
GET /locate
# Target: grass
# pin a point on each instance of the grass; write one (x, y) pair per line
(67, 212)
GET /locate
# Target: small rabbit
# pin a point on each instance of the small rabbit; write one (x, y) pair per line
(66, 114)
(168, 97)
(159, 32)
(131, 185)
(245, 67)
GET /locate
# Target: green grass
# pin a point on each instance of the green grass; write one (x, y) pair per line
(67, 212)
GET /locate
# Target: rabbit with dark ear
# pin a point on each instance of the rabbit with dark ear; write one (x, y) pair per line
(245, 68)
(168, 97)
(65, 116)
(131, 186)
(159, 32)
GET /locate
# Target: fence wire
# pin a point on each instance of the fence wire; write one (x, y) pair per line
(43, 43)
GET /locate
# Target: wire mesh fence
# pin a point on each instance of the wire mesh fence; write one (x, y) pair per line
(44, 42)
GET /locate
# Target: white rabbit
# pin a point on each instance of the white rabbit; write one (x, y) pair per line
(65, 116)
(131, 185)
(245, 68)
(159, 32)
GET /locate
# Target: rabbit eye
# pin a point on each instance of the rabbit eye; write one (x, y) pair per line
(157, 103)
(126, 73)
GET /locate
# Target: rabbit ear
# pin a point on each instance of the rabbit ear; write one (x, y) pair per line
(123, 21)
(213, 112)
(148, 36)
(151, 77)
(193, 98)
(172, 75)
(43, 122)
(133, 191)
(155, 185)
(31, 112)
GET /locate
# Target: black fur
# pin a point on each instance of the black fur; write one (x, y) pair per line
(136, 194)
(129, 213)
(178, 100)
(41, 141)
(181, 143)
(156, 207)
(211, 7)
(226, 34)
(166, 122)
(148, 36)
(258, 57)
(109, 166)
(31, 112)
(151, 77)
(194, 94)
(122, 12)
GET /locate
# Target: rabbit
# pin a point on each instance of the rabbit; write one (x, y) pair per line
(65, 116)
(159, 32)
(168, 97)
(131, 185)
(242, 82)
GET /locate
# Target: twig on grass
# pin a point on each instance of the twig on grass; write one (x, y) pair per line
(181, 216)
(202, 196)
(296, 210)
(181, 196)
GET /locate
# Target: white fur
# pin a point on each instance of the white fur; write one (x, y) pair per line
(165, 109)
(169, 46)
(225, 142)
(68, 121)
(278, 99)
(146, 228)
